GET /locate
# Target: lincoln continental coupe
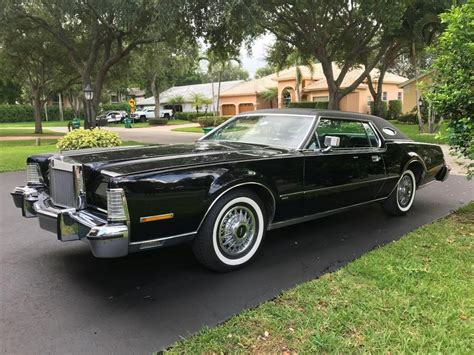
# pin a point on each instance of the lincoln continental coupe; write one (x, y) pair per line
(258, 171)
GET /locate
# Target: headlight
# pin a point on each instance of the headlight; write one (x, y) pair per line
(33, 174)
(117, 210)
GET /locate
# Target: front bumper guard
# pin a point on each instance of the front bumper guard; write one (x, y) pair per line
(106, 240)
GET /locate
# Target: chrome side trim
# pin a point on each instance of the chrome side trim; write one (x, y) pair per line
(231, 188)
(162, 239)
(334, 187)
(318, 215)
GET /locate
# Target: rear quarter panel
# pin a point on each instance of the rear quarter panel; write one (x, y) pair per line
(401, 153)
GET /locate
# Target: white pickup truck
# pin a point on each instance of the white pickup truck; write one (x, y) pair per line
(149, 112)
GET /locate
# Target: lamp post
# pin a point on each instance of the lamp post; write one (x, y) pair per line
(89, 95)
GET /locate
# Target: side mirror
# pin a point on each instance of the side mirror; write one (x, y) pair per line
(330, 142)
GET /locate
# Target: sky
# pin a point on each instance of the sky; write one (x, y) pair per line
(251, 62)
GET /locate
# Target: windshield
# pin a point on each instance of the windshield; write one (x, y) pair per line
(275, 130)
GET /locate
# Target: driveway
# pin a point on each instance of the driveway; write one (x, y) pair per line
(56, 298)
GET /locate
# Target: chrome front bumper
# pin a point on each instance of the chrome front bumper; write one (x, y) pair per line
(106, 240)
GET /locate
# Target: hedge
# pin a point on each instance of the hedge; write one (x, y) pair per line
(158, 121)
(394, 109)
(187, 116)
(408, 118)
(25, 113)
(212, 121)
(309, 104)
(122, 106)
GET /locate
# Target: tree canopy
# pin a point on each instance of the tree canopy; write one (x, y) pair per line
(452, 91)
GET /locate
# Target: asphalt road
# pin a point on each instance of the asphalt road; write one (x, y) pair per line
(56, 298)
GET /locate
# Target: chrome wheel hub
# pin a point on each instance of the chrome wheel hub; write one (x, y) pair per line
(237, 230)
(405, 190)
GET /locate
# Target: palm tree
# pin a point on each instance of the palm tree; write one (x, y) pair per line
(176, 101)
(269, 95)
(221, 63)
(198, 100)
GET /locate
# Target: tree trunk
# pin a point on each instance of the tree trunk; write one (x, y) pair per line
(156, 96)
(219, 91)
(334, 98)
(298, 83)
(417, 92)
(37, 111)
(377, 94)
(61, 112)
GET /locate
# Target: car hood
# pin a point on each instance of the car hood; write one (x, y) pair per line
(137, 159)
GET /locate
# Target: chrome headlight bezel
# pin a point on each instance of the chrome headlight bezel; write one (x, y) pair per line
(34, 177)
(117, 209)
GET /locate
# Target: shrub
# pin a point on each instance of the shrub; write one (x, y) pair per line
(158, 121)
(88, 138)
(188, 116)
(408, 118)
(212, 121)
(394, 109)
(206, 121)
(122, 106)
(383, 109)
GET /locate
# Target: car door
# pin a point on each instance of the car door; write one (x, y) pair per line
(346, 175)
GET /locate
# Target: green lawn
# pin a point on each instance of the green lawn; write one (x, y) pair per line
(189, 129)
(32, 124)
(412, 131)
(414, 295)
(17, 132)
(13, 154)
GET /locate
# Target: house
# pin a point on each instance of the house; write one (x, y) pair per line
(409, 90)
(186, 91)
(313, 87)
(246, 96)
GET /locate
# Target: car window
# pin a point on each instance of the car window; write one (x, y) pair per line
(373, 137)
(352, 134)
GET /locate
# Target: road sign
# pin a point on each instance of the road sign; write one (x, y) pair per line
(131, 103)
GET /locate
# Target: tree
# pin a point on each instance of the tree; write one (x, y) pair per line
(198, 100)
(452, 90)
(162, 64)
(218, 64)
(177, 100)
(10, 91)
(35, 59)
(264, 71)
(99, 34)
(349, 33)
(270, 95)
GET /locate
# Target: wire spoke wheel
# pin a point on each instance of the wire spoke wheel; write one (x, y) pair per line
(237, 230)
(405, 190)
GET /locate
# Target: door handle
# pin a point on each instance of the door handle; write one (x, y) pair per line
(376, 158)
(355, 157)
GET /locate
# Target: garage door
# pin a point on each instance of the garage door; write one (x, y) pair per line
(245, 108)
(228, 110)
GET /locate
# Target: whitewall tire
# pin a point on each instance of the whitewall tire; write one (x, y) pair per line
(401, 199)
(232, 232)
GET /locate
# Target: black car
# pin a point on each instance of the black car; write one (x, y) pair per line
(258, 171)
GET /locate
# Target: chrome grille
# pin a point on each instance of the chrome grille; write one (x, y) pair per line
(62, 187)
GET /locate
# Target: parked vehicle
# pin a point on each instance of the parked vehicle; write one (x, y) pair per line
(112, 116)
(258, 171)
(149, 112)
